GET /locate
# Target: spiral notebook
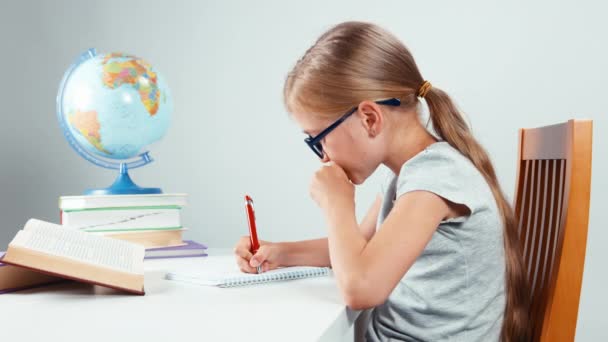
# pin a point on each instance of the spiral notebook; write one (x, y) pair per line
(222, 271)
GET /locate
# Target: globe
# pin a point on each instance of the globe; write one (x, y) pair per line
(111, 108)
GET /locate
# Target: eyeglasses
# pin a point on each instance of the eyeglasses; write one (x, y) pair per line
(315, 142)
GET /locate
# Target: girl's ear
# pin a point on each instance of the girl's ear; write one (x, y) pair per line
(371, 117)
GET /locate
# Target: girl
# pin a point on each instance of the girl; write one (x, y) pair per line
(436, 255)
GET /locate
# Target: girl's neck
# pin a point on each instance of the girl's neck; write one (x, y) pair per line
(408, 140)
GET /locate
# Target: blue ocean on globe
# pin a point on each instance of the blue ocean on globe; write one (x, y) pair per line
(111, 108)
(116, 105)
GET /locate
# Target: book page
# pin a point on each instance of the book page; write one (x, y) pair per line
(84, 247)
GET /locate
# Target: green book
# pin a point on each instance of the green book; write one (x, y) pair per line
(122, 213)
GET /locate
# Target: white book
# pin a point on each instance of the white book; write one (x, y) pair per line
(119, 219)
(71, 203)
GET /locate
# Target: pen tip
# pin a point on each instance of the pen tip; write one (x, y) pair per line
(247, 198)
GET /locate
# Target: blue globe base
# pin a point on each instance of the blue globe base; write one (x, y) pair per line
(123, 185)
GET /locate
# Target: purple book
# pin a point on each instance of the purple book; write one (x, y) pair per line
(190, 249)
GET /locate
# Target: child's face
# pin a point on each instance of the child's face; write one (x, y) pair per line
(349, 145)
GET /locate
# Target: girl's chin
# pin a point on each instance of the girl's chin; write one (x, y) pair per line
(355, 179)
(357, 182)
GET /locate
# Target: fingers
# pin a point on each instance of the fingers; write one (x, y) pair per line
(244, 265)
(243, 248)
(242, 260)
(265, 257)
(243, 255)
(263, 254)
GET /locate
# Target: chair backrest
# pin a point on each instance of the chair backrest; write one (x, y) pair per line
(552, 205)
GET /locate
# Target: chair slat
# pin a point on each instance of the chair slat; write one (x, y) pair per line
(542, 229)
(551, 202)
(530, 215)
(523, 196)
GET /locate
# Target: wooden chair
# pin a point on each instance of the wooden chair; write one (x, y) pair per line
(552, 204)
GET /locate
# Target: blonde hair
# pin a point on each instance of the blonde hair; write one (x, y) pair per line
(356, 61)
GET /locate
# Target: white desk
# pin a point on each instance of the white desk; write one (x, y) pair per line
(301, 310)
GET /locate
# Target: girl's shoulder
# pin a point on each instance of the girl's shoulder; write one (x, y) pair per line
(443, 170)
(439, 159)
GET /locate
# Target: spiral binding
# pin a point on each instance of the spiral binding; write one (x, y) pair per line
(268, 277)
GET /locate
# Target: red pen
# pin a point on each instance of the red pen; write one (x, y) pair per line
(253, 234)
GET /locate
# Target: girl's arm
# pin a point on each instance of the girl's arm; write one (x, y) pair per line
(304, 253)
(316, 252)
(368, 224)
(362, 267)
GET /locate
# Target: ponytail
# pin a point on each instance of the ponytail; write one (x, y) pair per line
(451, 127)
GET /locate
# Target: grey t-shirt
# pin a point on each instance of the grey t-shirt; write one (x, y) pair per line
(455, 290)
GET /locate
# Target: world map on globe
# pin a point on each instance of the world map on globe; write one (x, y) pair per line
(116, 105)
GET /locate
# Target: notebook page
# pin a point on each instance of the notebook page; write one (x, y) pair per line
(84, 247)
(222, 271)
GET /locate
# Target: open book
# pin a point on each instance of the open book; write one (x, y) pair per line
(51, 249)
(14, 278)
(222, 271)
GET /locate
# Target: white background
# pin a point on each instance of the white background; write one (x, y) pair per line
(507, 65)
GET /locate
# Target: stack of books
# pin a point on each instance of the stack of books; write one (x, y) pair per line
(153, 221)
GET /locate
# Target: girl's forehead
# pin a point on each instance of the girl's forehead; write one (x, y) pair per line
(310, 123)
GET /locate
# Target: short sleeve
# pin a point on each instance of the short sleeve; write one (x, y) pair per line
(444, 172)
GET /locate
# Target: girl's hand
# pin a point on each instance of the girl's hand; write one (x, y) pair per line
(330, 186)
(268, 255)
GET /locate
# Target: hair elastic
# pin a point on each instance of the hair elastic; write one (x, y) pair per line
(424, 89)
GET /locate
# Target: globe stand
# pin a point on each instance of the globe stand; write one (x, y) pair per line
(123, 185)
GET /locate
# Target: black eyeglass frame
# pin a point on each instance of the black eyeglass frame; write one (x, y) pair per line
(315, 142)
